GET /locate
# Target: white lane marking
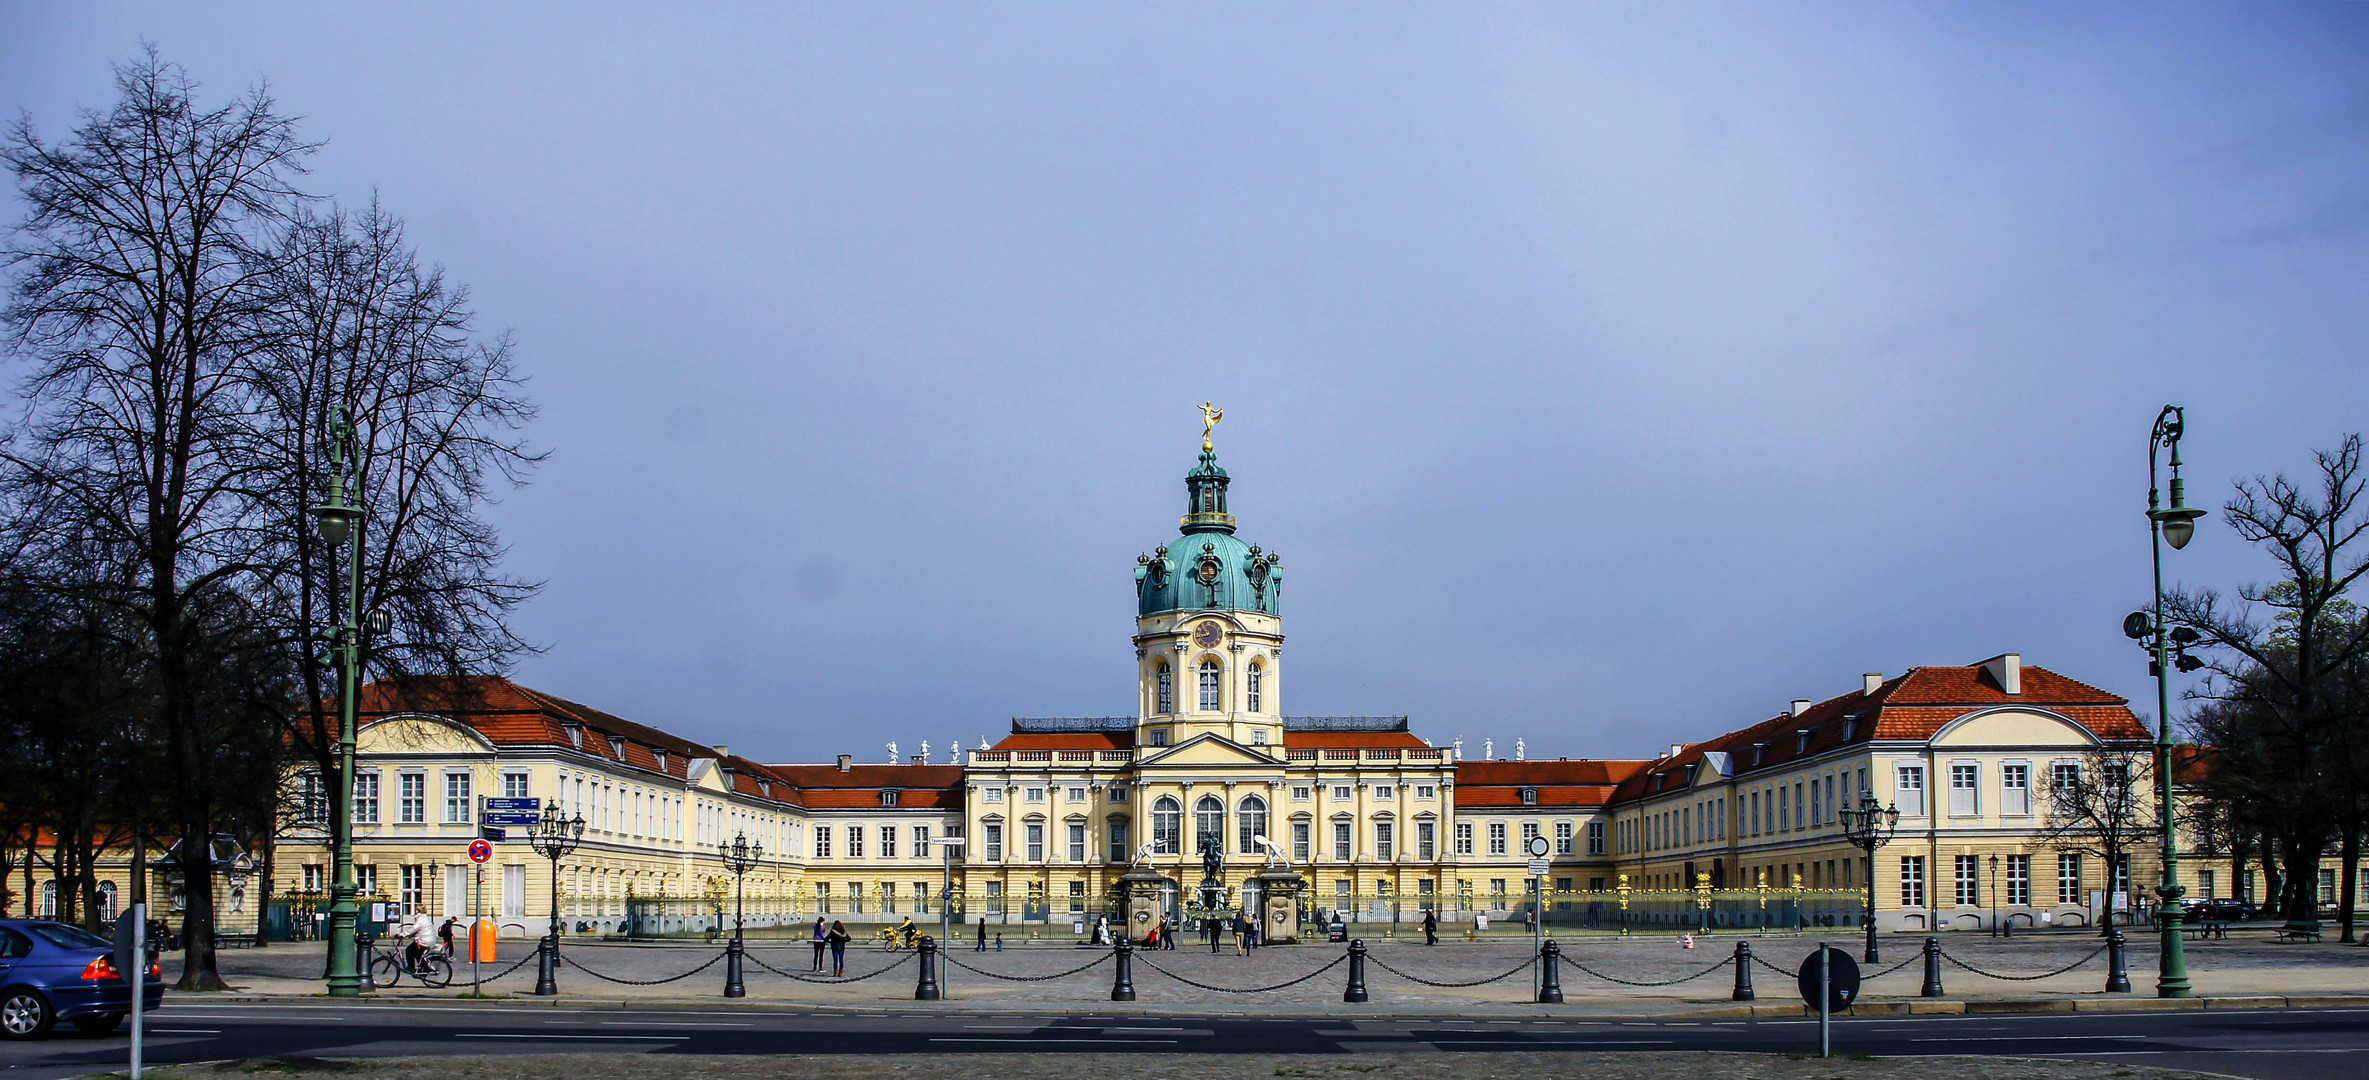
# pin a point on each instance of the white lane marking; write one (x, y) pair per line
(558, 1035)
(1156, 1031)
(672, 1023)
(210, 1016)
(1558, 1042)
(987, 1039)
(186, 1031)
(2027, 1038)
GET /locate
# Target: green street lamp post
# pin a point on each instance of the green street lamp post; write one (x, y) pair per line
(2173, 525)
(1869, 826)
(339, 522)
(740, 857)
(554, 837)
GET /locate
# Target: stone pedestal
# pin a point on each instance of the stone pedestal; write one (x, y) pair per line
(1279, 894)
(1140, 890)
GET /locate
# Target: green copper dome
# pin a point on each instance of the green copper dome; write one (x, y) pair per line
(1207, 568)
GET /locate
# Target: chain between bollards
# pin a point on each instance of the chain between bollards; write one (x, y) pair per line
(1122, 984)
(1356, 991)
(2117, 972)
(925, 987)
(1550, 977)
(1743, 972)
(1932, 968)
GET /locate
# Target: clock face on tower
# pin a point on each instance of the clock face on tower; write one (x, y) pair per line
(1206, 635)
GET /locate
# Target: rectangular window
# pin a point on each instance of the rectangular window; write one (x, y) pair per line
(1384, 834)
(1341, 840)
(314, 879)
(514, 785)
(1564, 839)
(2204, 883)
(1299, 842)
(1426, 840)
(1752, 811)
(1077, 842)
(1116, 793)
(1301, 793)
(514, 889)
(1426, 792)
(1912, 881)
(2015, 789)
(1911, 785)
(921, 841)
(1385, 791)
(1341, 793)
(1496, 838)
(994, 842)
(1034, 794)
(1595, 838)
(366, 880)
(1077, 897)
(1800, 819)
(415, 889)
(1969, 881)
(1258, 736)
(1962, 779)
(993, 792)
(2064, 780)
(995, 890)
(2068, 878)
(855, 841)
(1075, 794)
(888, 841)
(412, 798)
(1497, 894)
(822, 841)
(1036, 842)
(2019, 880)
(1529, 833)
(1464, 838)
(312, 802)
(1119, 852)
(456, 798)
(2122, 877)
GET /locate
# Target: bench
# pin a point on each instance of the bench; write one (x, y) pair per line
(2210, 928)
(2293, 933)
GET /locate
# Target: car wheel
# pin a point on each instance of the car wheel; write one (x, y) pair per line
(98, 1025)
(25, 1014)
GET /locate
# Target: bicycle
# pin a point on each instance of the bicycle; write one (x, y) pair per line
(892, 941)
(387, 968)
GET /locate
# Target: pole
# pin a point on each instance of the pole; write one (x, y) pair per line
(546, 968)
(476, 916)
(345, 979)
(2172, 975)
(1825, 993)
(1537, 936)
(138, 977)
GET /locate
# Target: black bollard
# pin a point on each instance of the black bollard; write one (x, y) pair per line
(1356, 991)
(1550, 974)
(1743, 972)
(1122, 985)
(732, 984)
(1932, 968)
(927, 988)
(362, 962)
(547, 965)
(2117, 972)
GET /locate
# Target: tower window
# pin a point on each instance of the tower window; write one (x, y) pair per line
(1209, 695)
(1251, 688)
(1166, 681)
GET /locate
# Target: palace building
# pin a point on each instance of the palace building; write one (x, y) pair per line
(1738, 829)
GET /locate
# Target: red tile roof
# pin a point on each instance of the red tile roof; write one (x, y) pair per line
(1068, 740)
(1346, 740)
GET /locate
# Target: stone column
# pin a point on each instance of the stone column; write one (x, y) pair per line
(1279, 893)
(1140, 891)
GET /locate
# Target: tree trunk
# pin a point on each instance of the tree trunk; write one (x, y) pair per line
(2351, 863)
(198, 971)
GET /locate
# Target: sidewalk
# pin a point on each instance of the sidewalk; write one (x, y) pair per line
(2237, 973)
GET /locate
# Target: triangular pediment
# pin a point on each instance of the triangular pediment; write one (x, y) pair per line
(1210, 750)
(1716, 768)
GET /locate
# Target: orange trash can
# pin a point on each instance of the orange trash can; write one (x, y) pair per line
(481, 941)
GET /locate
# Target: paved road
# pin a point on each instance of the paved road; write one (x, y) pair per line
(2302, 1044)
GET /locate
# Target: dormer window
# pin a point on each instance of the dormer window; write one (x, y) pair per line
(731, 781)
(1529, 796)
(1801, 742)
(888, 796)
(617, 747)
(575, 733)
(765, 788)
(1758, 749)
(661, 756)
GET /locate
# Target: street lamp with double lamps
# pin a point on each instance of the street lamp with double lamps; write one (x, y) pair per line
(2173, 525)
(1869, 826)
(740, 857)
(338, 521)
(554, 837)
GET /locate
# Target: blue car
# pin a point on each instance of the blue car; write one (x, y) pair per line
(52, 971)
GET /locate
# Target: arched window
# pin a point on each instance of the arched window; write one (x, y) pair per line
(1209, 699)
(1167, 693)
(106, 901)
(49, 899)
(1209, 819)
(1167, 823)
(1251, 687)
(1252, 821)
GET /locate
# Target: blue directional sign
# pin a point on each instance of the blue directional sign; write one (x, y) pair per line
(488, 832)
(494, 804)
(510, 819)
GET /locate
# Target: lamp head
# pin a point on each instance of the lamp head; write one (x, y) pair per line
(2179, 522)
(335, 520)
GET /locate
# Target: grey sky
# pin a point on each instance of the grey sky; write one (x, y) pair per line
(1606, 376)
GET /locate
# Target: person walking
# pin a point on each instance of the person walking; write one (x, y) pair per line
(838, 942)
(1167, 933)
(1430, 927)
(444, 933)
(822, 933)
(1241, 935)
(982, 946)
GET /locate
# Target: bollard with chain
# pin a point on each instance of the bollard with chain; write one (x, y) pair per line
(1932, 968)
(1743, 972)
(547, 965)
(733, 987)
(1122, 984)
(926, 987)
(1356, 991)
(1550, 975)
(2117, 973)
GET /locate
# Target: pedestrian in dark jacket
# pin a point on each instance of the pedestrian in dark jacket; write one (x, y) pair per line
(822, 933)
(1430, 927)
(838, 941)
(982, 947)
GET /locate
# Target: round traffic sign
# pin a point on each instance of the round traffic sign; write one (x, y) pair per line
(1538, 847)
(1842, 979)
(480, 851)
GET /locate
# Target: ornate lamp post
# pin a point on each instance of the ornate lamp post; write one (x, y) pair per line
(338, 521)
(554, 837)
(2173, 525)
(740, 857)
(1869, 826)
(1994, 896)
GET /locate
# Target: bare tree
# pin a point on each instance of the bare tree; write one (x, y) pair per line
(143, 270)
(2100, 806)
(2282, 656)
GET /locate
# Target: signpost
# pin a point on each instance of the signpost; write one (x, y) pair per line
(131, 962)
(1538, 868)
(946, 844)
(1829, 980)
(481, 851)
(507, 813)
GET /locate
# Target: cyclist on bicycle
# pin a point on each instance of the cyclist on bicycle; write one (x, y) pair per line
(907, 932)
(423, 938)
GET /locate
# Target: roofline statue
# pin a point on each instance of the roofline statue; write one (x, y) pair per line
(1143, 855)
(1274, 852)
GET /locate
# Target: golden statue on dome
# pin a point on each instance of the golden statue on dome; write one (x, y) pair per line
(1209, 420)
